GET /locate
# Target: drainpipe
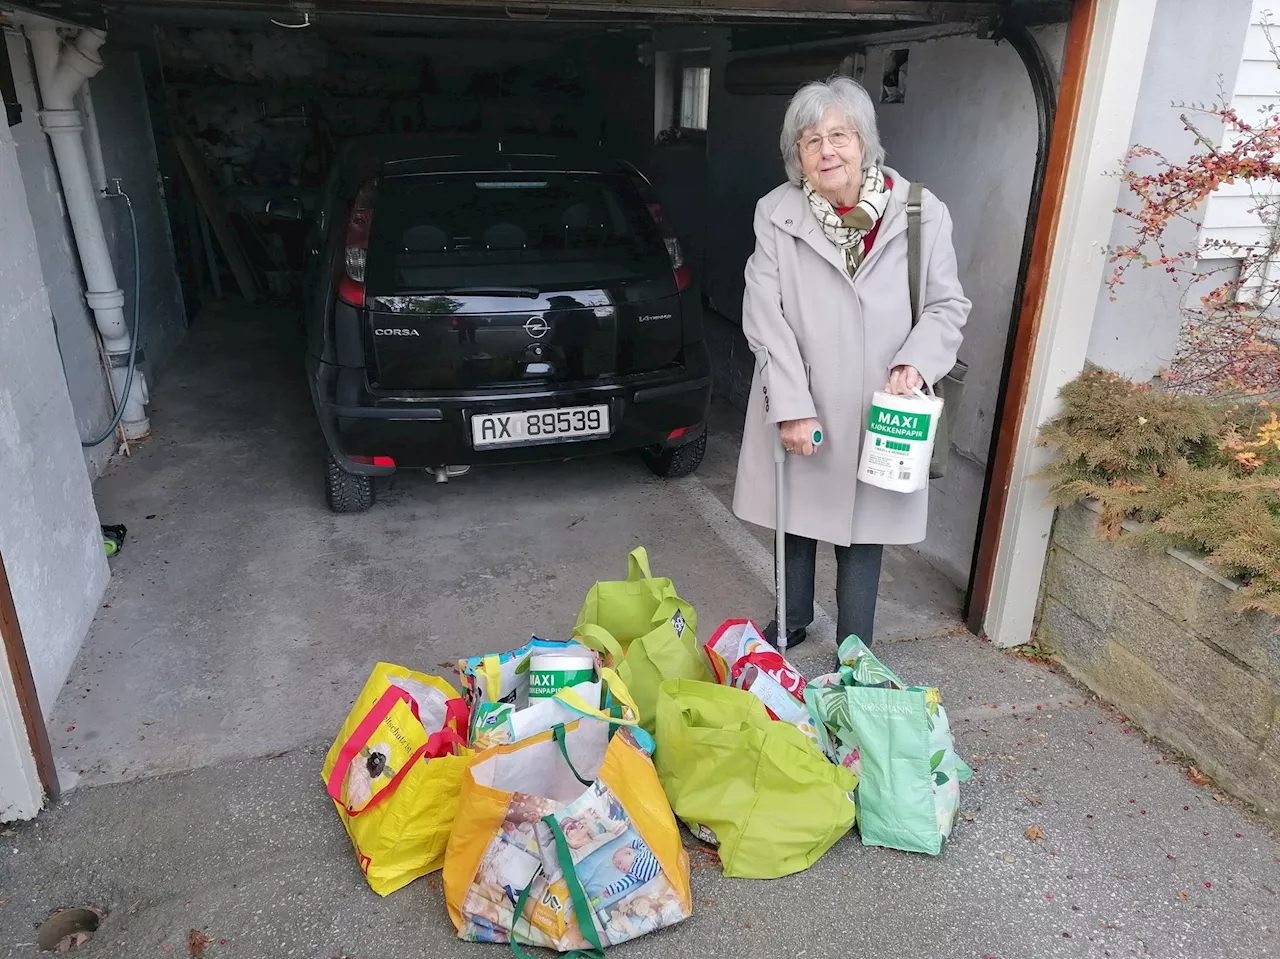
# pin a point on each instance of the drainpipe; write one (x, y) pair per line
(61, 69)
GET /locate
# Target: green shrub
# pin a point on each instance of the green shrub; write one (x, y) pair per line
(1199, 474)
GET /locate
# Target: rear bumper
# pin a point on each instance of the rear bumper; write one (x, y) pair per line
(423, 432)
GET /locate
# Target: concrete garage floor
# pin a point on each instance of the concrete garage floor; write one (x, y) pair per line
(243, 616)
(243, 619)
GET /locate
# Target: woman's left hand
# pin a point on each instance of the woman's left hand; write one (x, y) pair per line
(904, 380)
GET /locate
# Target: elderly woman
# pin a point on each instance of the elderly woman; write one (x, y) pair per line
(827, 312)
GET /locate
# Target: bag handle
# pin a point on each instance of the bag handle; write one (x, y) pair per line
(638, 565)
(581, 905)
(570, 698)
(915, 204)
(559, 734)
(491, 669)
(440, 743)
(602, 636)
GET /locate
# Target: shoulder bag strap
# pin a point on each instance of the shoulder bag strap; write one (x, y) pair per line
(915, 203)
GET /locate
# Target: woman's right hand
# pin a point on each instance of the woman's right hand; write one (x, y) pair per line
(797, 435)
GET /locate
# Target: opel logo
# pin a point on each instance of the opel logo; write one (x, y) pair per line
(536, 327)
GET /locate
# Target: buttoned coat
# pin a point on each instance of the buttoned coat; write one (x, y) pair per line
(824, 342)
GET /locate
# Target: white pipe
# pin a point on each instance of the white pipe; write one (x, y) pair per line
(93, 140)
(61, 70)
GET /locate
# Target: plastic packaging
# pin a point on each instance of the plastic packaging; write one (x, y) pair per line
(899, 441)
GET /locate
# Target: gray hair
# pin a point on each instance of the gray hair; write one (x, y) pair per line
(810, 105)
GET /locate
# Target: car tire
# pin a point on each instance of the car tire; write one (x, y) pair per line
(346, 492)
(677, 461)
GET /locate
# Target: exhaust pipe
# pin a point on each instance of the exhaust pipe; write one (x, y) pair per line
(446, 473)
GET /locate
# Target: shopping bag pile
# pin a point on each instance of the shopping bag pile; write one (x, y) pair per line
(548, 784)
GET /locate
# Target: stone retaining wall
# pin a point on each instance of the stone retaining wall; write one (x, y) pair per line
(1153, 632)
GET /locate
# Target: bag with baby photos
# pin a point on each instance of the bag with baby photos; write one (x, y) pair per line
(565, 841)
(395, 772)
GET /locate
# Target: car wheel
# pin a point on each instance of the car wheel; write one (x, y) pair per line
(346, 492)
(677, 461)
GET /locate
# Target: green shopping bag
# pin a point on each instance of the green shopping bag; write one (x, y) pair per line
(898, 741)
(757, 787)
(645, 630)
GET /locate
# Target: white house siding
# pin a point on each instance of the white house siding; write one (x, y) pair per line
(1137, 333)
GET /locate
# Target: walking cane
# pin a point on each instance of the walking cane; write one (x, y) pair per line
(780, 533)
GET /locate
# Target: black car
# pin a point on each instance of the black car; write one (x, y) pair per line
(471, 303)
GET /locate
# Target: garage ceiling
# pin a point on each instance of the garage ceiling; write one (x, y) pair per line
(90, 12)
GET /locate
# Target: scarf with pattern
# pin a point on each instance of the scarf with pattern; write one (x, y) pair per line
(849, 232)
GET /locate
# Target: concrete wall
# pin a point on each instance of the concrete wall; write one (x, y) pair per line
(49, 530)
(1138, 333)
(967, 129)
(1154, 633)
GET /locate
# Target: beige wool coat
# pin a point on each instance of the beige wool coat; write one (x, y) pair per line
(824, 343)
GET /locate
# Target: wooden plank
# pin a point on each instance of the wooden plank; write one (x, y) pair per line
(1079, 36)
(210, 201)
(24, 684)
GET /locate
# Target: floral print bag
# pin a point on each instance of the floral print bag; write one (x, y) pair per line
(897, 740)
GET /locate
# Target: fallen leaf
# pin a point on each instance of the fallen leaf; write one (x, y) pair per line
(197, 942)
(1010, 858)
(167, 946)
(1111, 925)
(968, 815)
(708, 900)
(1184, 896)
(1033, 799)
(72, 941)
(1034, 832)
(1197, 777)
(1219, 797)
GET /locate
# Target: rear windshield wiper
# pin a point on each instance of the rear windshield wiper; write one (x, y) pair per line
(525, 291)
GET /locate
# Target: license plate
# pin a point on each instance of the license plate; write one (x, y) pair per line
(539, 426)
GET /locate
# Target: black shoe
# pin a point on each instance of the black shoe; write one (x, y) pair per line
(794, 636)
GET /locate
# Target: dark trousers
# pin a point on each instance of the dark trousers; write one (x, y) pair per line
(857, 582)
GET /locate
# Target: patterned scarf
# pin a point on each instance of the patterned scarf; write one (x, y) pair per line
(850, 231)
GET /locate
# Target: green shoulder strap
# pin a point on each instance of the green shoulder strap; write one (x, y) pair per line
(577, 895)
(915, 203)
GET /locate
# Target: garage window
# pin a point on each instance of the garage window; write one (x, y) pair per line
(695, 94)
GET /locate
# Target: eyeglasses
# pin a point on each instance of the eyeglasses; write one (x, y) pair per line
(839, 139)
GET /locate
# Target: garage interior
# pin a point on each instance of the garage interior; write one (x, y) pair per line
(240, 609)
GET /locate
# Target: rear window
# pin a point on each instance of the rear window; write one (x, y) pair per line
(439, 232)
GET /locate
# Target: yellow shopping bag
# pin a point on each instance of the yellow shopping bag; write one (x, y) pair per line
(395, 772)
(566, 841)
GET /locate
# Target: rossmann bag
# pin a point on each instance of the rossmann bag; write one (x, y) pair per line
(565, 841)
(898, 741)
(757, 788)
(644, 630)
(395, 771)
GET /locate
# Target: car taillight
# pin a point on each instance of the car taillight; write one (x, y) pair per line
(351, 284)
(683, 272)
